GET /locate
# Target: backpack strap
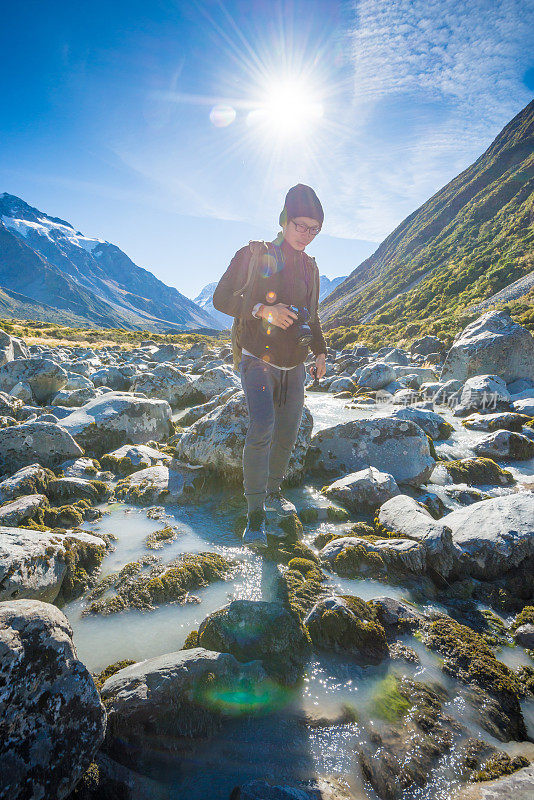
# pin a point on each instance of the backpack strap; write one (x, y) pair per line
(315, 289)
(257, 250)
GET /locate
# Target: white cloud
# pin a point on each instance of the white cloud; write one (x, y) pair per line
(434, 83)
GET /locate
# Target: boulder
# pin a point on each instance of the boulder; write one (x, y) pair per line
(44, 442)
(39, 565)
(491, 344)
(504, 420)
(393, 613)
(376, 376)
(52, 718)
(180, 694)
(404, 516)
(11, 347)
(349, 625)
(363, 490)
(493, 536)
(166, 383)
(524, 636)
(196, 412)
(428, 344)
(112, 377)
(256, 629)
(484, 392)
(396, 446)
(353, 557)
(74, 398)
(44, 376)
(32, 479)
(216, 441)
(118, 418)
(157, 484)
(517, 786)
(214, 381)
(505, 445)
(432, 424)
(15, 512)
(133, 457)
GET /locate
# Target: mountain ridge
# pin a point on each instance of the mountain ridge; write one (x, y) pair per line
(469, 240)
(47, 260)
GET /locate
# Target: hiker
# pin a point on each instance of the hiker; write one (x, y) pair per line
(271, 288)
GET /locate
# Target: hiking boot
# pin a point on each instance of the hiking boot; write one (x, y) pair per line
(254, 534)
(275, 501)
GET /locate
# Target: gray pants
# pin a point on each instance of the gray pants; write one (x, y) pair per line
(275, 399)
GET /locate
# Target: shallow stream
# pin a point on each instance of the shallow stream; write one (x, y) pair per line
(277, 746)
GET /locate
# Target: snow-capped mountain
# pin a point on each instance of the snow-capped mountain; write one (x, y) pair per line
(205, 301)
(49, 270)
(205, 298)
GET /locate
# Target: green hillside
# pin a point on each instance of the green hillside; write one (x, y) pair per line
(474, 237)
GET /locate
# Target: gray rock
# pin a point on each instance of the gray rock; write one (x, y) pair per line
(493, 536)
(52, 718)
(34, 564)
(377, 375)
(432, 424)
(140, 455)
(166, 383)
(428, 344)
(491, 344)
(517, 786)
(404, 515)
(363, 490)
(486, 392)
(32, 479)
(23, 508)
(396, 613)
(256, 629)
(74, 398)
(504, 445)
(11, 347)
(45, 377)
(157, 484)
(524, 636)
(117, 418)
(214, 381)
(44, 442)
(112, 377)
(22, 391)
(396, 446)
(176, 695)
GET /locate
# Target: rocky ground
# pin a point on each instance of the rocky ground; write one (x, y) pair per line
(381, 646)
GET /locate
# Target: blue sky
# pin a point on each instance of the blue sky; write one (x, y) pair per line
(105, 116)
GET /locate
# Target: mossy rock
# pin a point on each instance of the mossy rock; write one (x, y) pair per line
(308, 515)
(303, 565)
(525, 617)
(283, 550)
(191, 641)
(82, 561)
(354, 560)
(119, 466)
(299, 592)
(469, 658)
(475, 471)
(163, 583)
(498, 765)
(110, 670)
(156, 539)
(291, 525)
(348, 624)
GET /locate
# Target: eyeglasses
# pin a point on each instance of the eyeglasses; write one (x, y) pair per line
(301, 228)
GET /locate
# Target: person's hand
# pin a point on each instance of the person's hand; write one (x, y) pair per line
(320, 366)
(278, 315)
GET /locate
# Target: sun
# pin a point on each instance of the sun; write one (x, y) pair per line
(290, 108)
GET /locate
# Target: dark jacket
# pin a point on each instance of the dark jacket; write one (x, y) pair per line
(285, 277)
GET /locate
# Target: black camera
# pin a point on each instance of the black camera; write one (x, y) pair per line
(302, 330)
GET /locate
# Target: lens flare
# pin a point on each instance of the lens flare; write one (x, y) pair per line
(221, 116)
(244, 697)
